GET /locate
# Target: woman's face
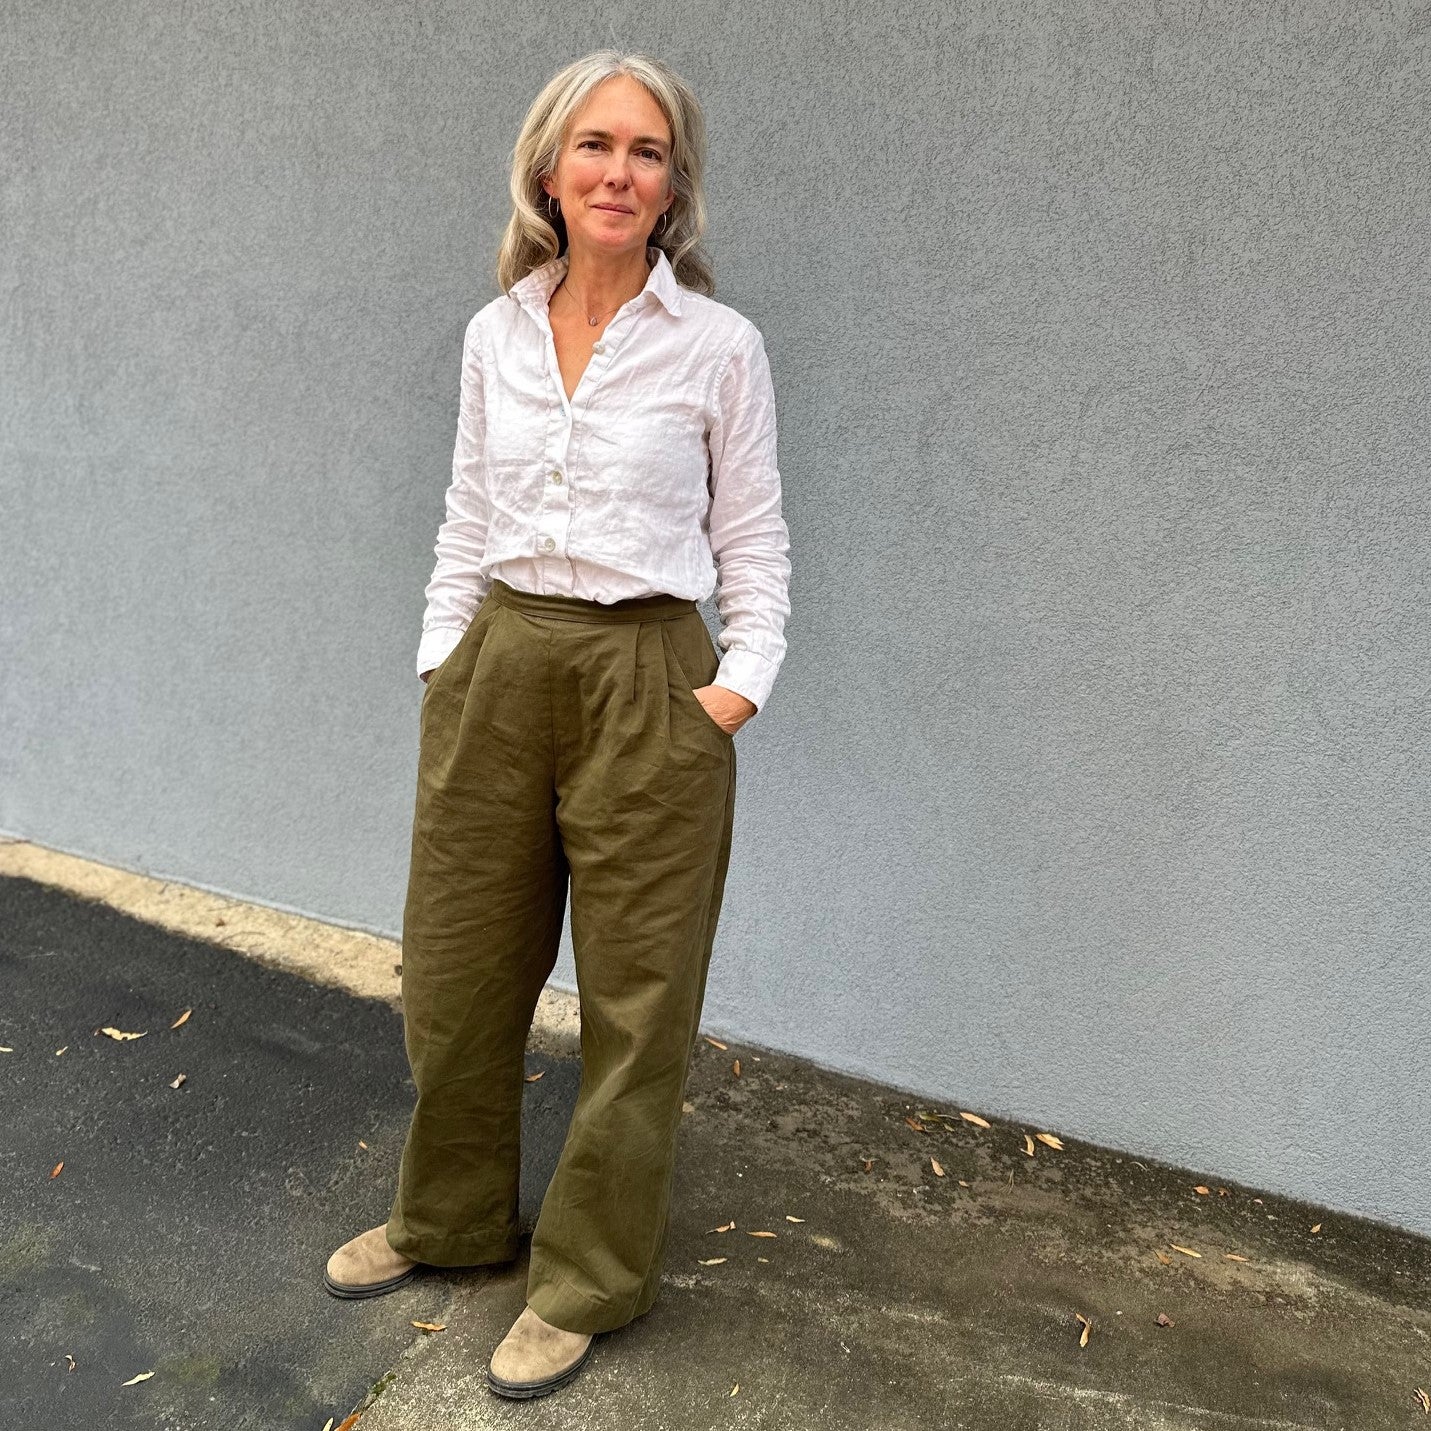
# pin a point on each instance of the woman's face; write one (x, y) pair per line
(612, 175)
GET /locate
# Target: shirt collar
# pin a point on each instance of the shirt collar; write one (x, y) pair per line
(535, 290)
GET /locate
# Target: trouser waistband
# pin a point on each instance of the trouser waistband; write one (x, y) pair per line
(577, 608)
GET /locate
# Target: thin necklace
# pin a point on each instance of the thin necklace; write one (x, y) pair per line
(589, 318)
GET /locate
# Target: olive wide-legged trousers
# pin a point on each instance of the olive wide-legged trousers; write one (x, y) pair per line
(560, 741)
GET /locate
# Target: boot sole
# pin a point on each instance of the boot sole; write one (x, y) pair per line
(525, 1390)
(370, 1289)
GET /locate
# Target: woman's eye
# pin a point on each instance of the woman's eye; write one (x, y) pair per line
(652, 154)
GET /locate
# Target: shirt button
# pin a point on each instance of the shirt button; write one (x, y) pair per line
(556, 474)
(548, 543)
(598, 347)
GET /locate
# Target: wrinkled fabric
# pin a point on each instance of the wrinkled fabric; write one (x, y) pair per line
(562, 744)
(658, 476)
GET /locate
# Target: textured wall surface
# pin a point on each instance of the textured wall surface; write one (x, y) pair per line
(1094, 788)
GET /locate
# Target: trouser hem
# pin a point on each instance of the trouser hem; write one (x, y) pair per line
(559, 1304)
(460, 1251)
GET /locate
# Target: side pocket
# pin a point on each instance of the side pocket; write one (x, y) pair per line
(686, 686)
(457, 654)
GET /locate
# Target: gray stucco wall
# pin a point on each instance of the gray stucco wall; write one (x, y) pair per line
(1094, 788)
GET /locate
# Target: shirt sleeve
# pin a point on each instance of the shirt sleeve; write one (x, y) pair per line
(749, 539)
(456, 589)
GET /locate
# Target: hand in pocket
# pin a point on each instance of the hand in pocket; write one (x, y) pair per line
(727, 708)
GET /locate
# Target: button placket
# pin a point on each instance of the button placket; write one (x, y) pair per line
(554, 514)
(556, 473)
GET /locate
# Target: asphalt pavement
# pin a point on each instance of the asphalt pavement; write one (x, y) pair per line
(183, 1238)
(845, 1256)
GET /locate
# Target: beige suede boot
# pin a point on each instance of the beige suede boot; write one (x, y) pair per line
(536, 1357)
(367, 1266)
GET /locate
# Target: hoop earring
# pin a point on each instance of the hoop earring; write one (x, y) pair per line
(662, 227)
(553, 212)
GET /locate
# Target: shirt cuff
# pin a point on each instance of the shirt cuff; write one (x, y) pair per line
(748, 674)
(436, 645)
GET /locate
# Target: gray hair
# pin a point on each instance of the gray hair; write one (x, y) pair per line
(534, 238)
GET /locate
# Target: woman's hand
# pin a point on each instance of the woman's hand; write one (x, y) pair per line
(728, 709)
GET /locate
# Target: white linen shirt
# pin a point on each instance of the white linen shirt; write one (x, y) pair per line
(658, 475)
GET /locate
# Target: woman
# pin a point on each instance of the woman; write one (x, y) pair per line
(615, 456)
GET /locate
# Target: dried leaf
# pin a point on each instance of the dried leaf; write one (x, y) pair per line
(176, 1082)
(120, 1034)
(916, 1125)
(1028, 1145)
(1163, 1258)
(58, 1166)
(430, 1326)
(182, 1019)
(726, 1228)
(735, 1068)
(1200, 1190)
(976, 1120)
(532, 1077)
(328, 1424)
(1317, 1228)
(4, 1049)
(761, 1234)
(1087, 1325)
(712, 1261)
(962, 1183)
(714, 1042)
(688, 1107)
(348, 1421)
(1050, 1139)
(1423, 1400)
(735, 1388)
(362, 1144)
(143, 1376)
(762, 1259)
(788, 1218)
(59, 1051)
(938, 1171)
(71, 1361)
(1223, 1192)
(869, 1163)
(1233, 1257)
(1187, 1251)
(1163, 1320)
